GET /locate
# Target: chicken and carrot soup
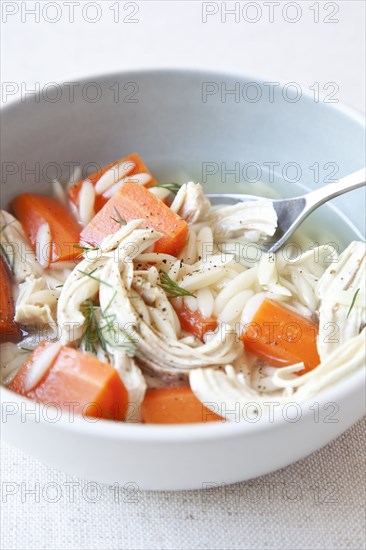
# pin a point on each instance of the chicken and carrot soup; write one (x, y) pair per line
(139, 301)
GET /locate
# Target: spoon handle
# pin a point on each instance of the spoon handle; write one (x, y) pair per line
(327, 192)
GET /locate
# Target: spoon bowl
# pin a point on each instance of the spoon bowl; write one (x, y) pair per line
(292, 212)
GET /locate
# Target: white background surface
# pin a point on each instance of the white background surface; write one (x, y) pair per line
(172, 34)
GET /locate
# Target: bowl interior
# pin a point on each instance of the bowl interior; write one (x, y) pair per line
(186, 126)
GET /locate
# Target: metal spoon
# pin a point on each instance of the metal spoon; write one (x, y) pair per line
(292, 212)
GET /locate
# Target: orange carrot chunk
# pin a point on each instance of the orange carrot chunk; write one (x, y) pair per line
(194, 322)
(35, 210)
(128, 167)
(92, 387)
(131, 202)
(9, 330)
(282, 337)
(174, 406)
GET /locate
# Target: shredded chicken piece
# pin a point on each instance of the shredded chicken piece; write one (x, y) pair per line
(133, 380)
(80, 286)
(101, 274)
(158, 348)
(36, 303)
(172, 357)
(341, 291)
(228, 390)
(191, 202)
(116, 307)
(123, 238)
(12, 357)
(14, 242)
(85, 280)
(244, 219)
(338, 365)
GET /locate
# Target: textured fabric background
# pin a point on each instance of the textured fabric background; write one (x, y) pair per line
(317, 503)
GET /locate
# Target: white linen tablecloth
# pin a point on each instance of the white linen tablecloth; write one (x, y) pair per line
(317, 503)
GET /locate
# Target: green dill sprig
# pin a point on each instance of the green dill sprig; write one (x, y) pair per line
(84, 249)
(90, 275)
(4, 253)
(110, 302)
(91, 335)
(172, 187)
(353, 302)
(171, 288)
(100, 329)
(109, 325)
(10, 261)
(119, 218)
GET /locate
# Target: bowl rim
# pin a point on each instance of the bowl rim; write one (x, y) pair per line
(350, 112)
(180, 433)
(210, 431)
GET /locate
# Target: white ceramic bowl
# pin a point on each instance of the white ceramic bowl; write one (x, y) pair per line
(183, 125)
